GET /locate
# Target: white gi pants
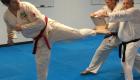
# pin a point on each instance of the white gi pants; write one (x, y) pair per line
(132, 58)
(102, 53)
(58, 32)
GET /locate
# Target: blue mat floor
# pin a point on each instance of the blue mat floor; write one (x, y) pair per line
(68, 59)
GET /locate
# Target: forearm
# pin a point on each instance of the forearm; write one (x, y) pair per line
(10, 40)
(10, 36)
(38, 24)
(123, 15)
(11, 32)
(103, 31)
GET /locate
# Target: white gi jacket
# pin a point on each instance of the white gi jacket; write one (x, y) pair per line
(129, 23)
(32, 21)
(112, 27)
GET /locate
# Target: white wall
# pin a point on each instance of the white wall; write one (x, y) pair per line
(72, 12)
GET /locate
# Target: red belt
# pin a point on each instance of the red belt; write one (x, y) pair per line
(124, 44)
(41, 35)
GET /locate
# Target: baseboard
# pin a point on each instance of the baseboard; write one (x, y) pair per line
(18, 43)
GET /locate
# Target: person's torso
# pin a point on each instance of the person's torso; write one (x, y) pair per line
(129, 31)
(24, 16)
(113, 26)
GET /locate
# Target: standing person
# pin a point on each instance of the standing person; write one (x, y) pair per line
(26, 18)
(110, 41)
(129, 34)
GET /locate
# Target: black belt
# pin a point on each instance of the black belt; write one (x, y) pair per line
(39, 36)
(110, 34)
(124, 44)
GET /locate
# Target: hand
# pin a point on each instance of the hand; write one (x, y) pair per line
(10, 42)
(92, 15)
(18, 27)
(103, 14)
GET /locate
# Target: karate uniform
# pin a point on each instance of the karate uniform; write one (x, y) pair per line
(129, 30)
(107, 44)
(32, 22)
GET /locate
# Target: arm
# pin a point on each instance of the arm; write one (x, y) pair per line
(121, 16)
(10, 33)
(34, 17)
(95, 14)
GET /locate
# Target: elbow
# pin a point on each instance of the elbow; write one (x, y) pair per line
(41, 23)
(92, 14)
